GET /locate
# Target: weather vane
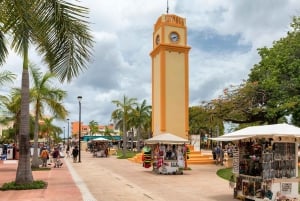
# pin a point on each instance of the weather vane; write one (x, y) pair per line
(167, 6)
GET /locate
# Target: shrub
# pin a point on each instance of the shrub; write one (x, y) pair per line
(38, 184)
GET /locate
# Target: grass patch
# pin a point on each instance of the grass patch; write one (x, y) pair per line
(129, 154)
(183, 168)
(225, 173)
(38, 184)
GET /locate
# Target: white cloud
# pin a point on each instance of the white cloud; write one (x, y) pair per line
(123, 33)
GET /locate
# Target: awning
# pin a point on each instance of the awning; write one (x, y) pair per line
(166, 138)
(101, 139)
(226, 139)
(265, 131)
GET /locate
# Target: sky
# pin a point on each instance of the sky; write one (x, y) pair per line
(223, 35)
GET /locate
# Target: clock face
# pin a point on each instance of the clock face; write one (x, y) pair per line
(174, 37)
(157, 40)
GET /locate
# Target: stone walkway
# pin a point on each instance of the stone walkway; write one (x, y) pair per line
(111, 179)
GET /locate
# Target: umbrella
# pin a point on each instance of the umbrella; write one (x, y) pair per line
(166, 138)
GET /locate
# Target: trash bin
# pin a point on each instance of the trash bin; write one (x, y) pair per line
(10, 152)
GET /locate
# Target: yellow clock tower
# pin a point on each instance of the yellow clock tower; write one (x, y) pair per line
(170, 76)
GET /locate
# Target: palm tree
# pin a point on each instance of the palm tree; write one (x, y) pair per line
(49, 130)
(6, 77)
(93, 125)
(107, 132)
(8, 102)
(60, 33)
(44, 95)
(139, 118)
(124, 108)
(12, 103)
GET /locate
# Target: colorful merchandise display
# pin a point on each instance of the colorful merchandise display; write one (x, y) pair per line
(165, 158)
(266, 169)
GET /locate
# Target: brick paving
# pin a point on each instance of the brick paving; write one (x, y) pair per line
(111, 179)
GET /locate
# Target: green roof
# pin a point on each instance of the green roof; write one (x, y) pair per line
(91, 137)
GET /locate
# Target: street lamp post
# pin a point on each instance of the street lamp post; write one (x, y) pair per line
(64, 136)
(68, 131)
(79, 101)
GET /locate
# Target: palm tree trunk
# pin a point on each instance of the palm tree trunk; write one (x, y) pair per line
(124, 137)
(138, 146)
(35, 158)
(24, 173)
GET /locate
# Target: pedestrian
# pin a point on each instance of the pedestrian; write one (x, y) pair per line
(221, 156)
(218, 154)
(55, 156)
(68, 151)
(106, 152)
(75, 152)
(214, 153)
(44, 156)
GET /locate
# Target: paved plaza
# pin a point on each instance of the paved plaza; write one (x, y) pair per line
(111, 179)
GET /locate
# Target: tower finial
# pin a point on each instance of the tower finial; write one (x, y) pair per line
(167, 6)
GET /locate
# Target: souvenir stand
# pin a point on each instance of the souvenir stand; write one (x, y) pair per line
(265, 162)
(166, 152)
(100, 147)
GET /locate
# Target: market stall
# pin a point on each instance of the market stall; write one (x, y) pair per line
(166, 153)
(100, 147)
(265, 162)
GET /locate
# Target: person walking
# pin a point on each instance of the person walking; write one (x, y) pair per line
(55, 156)
(218, 154)
(44, 156)
(68, 151)
(75, 152)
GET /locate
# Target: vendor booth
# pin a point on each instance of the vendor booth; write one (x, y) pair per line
(265, 162)
(99, 147)
(166, 153)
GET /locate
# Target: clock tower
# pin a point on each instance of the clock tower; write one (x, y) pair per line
(170, 76)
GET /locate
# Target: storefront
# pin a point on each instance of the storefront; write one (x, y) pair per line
(165, 153)
(265, 163)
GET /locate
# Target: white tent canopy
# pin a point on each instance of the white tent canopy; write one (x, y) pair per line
(268, 131)
(166, 138)
(101, 139)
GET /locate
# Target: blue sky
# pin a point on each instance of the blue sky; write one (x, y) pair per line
(224, 36)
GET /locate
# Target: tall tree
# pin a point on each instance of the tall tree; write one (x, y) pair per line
(60, 33)
(277, 74)
(44, 95)
(243, 104)
(49, 130)
(94, 127)
(12, 103)
(272, 91)
(6, 77)
(121, 114)
(139, 118)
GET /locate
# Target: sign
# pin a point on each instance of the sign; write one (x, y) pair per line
(235, 160)
(286, 188)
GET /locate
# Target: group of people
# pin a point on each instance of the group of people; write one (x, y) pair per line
(218, 155)
(45, 156)
(56, 155)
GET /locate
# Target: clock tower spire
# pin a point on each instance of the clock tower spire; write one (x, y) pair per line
(170, 76)
(167, 6)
